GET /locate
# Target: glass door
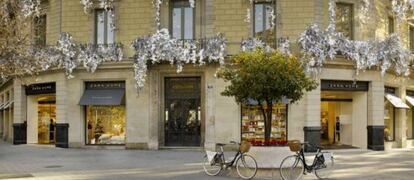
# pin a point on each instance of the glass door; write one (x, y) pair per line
(182, 112)
(46, 120)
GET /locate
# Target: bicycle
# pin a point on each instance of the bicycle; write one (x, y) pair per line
(294, 167)
(246, 165)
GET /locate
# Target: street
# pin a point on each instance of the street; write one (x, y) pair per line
(47, 162)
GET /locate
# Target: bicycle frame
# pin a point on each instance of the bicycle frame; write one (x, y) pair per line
(308, 168)
(222, 157)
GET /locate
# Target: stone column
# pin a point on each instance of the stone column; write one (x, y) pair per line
(401, 120)
(312, 126)
(62, 124)
(154, 119)
(376, 116)
(19, 128)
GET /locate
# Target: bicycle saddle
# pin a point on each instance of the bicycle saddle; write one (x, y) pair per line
(220, 144)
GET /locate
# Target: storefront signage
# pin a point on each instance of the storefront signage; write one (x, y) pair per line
(332, 85)
(43, 88)
(105, 85)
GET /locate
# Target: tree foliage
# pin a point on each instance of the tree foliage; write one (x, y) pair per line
(266, 78)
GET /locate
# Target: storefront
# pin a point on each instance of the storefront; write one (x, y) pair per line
(393, 103)
(104, 105)
(41, 113)
(6, 112)
(343, 114)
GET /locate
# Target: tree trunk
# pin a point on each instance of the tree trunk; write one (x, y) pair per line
(268, 122)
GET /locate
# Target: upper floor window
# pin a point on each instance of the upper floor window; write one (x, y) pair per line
(104, 27)
(263, 21)
(344, 19)
(411, 38)
(39, 30)
(390, 25)
(182, 20)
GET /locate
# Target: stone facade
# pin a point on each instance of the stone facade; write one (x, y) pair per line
(220, 115)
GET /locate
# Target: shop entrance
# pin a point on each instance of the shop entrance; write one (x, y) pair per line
(46, 119)
(182, 111)
(343, 119)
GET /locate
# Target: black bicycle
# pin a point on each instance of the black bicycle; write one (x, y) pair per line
(294, 167)
(246, 165)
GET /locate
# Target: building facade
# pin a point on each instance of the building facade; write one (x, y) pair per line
(186, 109)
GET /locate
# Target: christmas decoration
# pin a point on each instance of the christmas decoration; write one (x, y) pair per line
(192, 3)
(251, 44)
(319, 45)
(92, 55)
(31, 7)
(160, 47)
(87, 6)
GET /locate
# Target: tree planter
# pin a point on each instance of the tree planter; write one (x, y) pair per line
(269, 156)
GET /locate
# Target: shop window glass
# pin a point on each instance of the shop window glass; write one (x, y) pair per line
(182, 25)
(263, 22)
(105, 124)
(253, 125)
(410, 124)
(344, 19)
(389, 121)
(104, 27)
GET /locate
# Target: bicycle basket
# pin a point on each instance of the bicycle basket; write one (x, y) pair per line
(294, 145)
(245, 147)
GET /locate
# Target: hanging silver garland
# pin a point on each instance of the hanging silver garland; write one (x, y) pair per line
(31, 7)
(161, 47)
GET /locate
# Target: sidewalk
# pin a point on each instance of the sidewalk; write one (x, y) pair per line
(46, 162)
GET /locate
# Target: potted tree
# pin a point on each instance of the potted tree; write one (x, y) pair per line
(265, 77)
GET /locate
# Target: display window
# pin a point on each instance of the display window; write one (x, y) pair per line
(253, 125)
(105, 125)
(389, 121)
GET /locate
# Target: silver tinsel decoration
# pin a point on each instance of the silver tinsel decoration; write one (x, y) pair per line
(31, 7)
(67, 47)
(92, 55)
(160, 47)
(87, 6)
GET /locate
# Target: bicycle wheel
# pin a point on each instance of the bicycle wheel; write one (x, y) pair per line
(211, 169)
(246, 166)
(292, 168)
(324, 171)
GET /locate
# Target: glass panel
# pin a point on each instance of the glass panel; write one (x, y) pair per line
(100, 27)
(176, 23)
(258, 18)
(389, 121)
(46, 119)
(411, 38)
(410, 124)
(182, 112)
(188, 23)
(110, 30)
(268, 19)
(344, 16)
(40, 30)
(105, 124)
(390, 25)
(253, 125)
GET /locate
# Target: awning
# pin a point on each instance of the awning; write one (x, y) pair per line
(410, 100)
(8, 104)
(104, 97)
(1, 105)
(396, 101)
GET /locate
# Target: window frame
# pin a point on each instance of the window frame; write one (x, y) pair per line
(391, 25)
(42, 41)
(182, 4)
(411, 37)
(253, 16)
(106, 27)
(390, 90)
(352, 23)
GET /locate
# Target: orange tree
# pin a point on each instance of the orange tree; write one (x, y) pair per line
(266, 78)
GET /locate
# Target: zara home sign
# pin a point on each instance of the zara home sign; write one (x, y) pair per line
(334, 85)
(42, 88)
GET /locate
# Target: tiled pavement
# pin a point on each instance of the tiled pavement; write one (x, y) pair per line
(45, 162)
